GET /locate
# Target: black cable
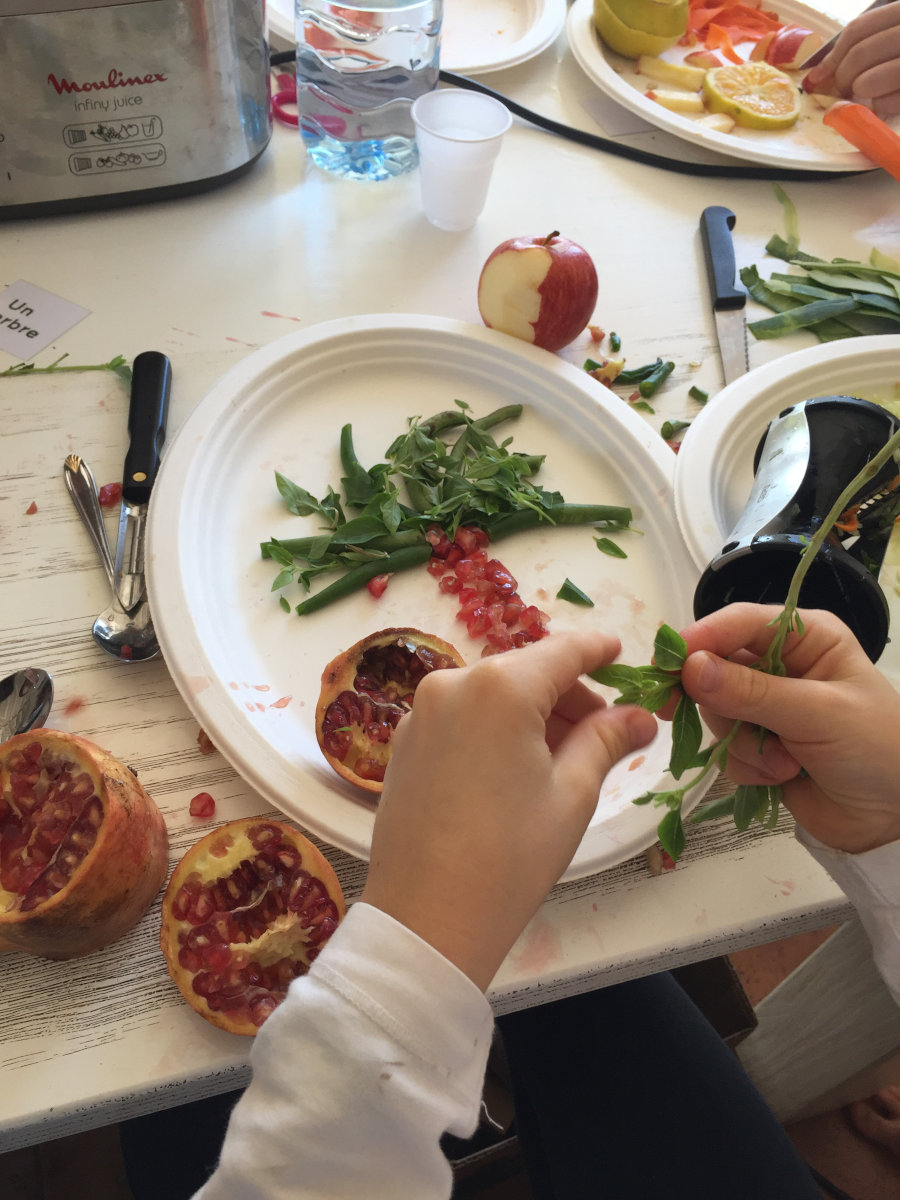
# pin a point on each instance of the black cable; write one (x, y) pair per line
(725, 171)
(648, 157)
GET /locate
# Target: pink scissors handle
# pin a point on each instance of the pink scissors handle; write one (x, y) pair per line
(286, 96)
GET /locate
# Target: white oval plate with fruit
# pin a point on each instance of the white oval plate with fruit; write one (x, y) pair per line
(808, 144)
(251, 673)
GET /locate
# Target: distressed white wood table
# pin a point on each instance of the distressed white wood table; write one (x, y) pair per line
(208, 279)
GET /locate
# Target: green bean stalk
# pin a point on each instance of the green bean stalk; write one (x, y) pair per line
(651, 687)
(426, 480)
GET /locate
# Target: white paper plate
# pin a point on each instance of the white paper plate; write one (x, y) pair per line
(808, 145)
(478, 36)
(235, 655)
(714, 468)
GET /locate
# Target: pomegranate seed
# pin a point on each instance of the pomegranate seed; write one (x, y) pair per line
(31, 509)
(450, 584)
(202, 805)
(377, 584)
(109, 495)
(204, 742)
(436, 567)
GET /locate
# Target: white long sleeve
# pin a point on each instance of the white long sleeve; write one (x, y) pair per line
(373, 1055)
(871, 882)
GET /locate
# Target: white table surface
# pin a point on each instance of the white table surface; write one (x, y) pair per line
(206, 280)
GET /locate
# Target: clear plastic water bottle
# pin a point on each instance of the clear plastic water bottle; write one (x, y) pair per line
(359, 68)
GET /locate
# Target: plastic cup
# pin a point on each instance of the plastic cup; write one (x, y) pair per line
(458, 134)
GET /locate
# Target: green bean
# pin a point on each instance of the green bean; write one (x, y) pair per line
(559, 514)
(300, 547)
(358, 577)
(653, 381)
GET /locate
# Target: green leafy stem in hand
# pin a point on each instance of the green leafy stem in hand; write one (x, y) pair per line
(651, 687)
(118, 365)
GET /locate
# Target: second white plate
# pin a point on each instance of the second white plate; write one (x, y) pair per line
(251, 673)
(478, 36)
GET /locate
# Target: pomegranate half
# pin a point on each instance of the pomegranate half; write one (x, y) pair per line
(83, 848)
(246, 911)
(365, 692)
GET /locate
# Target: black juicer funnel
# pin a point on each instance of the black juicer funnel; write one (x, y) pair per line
(808, 455)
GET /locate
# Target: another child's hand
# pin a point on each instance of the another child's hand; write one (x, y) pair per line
(834, 721)
(493, 779)
(864, 64)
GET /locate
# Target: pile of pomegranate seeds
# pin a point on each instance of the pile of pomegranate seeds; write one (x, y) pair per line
(489, 603)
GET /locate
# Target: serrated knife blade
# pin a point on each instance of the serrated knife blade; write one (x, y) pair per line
(728, 302)
(147, 414)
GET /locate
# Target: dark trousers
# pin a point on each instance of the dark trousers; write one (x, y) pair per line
(628, 1093)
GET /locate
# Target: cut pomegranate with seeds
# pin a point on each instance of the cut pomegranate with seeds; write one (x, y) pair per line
(246, 911)
(202, 805)
(365, 693)
(83, 848)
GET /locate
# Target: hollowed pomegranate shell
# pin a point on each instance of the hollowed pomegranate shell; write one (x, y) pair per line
(366, 691)
(246, 911)
(83, 848)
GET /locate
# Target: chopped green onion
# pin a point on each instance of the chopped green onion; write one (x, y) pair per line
(670, 428)
(698, 394)
(615, 342)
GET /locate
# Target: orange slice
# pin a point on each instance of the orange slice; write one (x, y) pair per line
(754, 94)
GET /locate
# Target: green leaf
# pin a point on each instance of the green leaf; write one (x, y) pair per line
(283, 601)
(687, 734)
(647, 798)
(283, 578)
(669, 649)
(670, 832)
(605, 546)
(722, 806)
(569, 591)
(618, 675)
(747, 800)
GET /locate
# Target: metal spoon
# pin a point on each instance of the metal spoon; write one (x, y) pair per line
(25, 700)
(126, 635)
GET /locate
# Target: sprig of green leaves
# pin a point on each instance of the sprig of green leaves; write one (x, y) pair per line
(118, 365)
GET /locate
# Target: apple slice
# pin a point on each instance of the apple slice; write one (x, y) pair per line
(791, 46)
(703, 58)
(674, 74)
(686, 102)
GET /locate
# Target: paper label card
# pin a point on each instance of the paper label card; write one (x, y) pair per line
(30, 319)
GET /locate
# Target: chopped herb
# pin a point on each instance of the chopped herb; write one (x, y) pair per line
(605, 546)
(574, 595)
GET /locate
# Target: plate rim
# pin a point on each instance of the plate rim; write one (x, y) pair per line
(186, 653)
(591, 57)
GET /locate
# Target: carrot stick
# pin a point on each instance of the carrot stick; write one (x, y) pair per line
(862, 129)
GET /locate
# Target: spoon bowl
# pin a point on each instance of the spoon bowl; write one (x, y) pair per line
(25, 700)
(127, 635)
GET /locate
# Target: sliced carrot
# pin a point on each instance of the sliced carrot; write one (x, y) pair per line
(717, 38)
(862, 129)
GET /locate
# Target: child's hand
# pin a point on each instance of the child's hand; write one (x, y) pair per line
(836, 717)
(493, 779)
(864, 63)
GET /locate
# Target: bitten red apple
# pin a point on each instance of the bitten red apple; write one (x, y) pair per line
(540, 289)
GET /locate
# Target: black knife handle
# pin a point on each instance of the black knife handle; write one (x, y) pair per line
(716, 224)
(151, 381)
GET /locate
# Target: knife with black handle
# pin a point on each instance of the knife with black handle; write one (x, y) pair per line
(728, 302)
(150, 386)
